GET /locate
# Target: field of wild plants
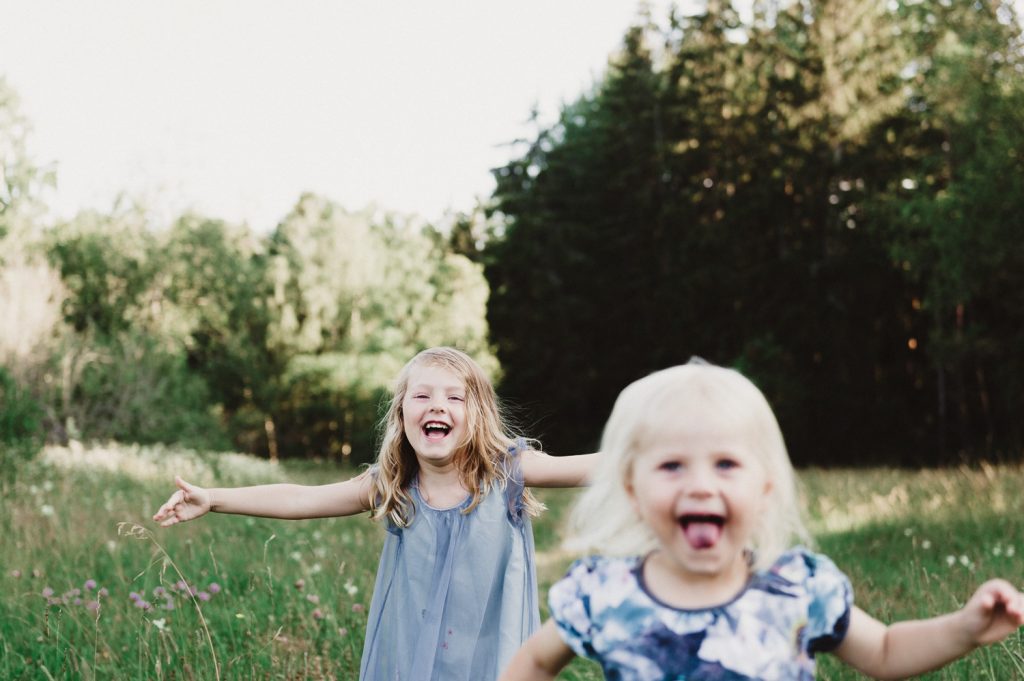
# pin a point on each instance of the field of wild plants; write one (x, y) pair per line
(93, 589)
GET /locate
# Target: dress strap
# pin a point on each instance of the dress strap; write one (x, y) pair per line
(515, 484)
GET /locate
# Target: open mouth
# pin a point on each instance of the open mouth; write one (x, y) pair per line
(702, 531)
(435, 430)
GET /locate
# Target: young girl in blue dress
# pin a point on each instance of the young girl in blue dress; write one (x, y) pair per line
(694, 507)
(455, 594)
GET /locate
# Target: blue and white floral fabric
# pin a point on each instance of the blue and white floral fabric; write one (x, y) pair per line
(769, 632)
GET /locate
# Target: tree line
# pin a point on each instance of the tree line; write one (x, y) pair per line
(826, 194)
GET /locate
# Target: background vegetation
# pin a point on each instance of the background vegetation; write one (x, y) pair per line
(828, 196)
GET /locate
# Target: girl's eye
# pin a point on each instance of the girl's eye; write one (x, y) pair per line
(727, 464)
(419, 396)
(456, 398)
(670, 466)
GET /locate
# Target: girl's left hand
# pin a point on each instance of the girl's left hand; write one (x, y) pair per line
(994, 612)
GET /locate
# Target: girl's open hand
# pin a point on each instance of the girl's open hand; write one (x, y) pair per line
(994, 612)
(187, 503)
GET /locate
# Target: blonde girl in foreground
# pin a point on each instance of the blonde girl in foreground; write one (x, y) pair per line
(455, 594)
(694, 504)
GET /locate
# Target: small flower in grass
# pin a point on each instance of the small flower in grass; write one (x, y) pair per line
(316, 569)
(134, 595)
(47, 592)
(90, 584)
(103, 592)
(950, 561)
(16, 574)
(214, 588)
(159, 592)
(313, 598)
(358, 607)
(203, 596)
(94, 606)
(168, 604)
(1009, 552)
(46, 510)
(37, 573)
(144, 605)
(926, 544)
(342, 632)
(160, 624)
(180, 585)
(296, 556)
(964, 560)
(318, 614)
(77, 601)
(350, 588)
(300, 584)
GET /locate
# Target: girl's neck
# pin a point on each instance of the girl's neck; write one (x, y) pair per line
(441, 487)
(675, 587)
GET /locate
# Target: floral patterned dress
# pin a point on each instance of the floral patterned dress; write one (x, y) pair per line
(770, 631)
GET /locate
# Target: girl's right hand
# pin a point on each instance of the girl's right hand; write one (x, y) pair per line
(187, 503)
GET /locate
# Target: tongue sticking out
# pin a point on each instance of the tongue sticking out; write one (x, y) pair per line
(702, 534)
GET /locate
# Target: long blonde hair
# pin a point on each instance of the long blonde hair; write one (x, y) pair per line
(604, 520)
(480, 459)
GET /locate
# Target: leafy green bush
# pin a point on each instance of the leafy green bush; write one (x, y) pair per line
(133, 390)
(21, 431)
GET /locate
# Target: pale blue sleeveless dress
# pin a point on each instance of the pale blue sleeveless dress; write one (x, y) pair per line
(456, 594)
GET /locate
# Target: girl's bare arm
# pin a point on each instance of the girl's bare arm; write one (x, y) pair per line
(284, 500)
(911, 648)
(541, 658)
(544, 470)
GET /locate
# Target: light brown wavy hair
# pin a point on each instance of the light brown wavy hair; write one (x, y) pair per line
(479, 459)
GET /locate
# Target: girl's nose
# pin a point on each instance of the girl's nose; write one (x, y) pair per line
(700, 483)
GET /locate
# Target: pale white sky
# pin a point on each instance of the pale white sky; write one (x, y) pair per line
(235, 107)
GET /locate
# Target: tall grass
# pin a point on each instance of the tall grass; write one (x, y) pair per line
(92, 589)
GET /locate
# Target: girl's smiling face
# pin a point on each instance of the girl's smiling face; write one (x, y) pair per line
(701, 490)
(434, 414)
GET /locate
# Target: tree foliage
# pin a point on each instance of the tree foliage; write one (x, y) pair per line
(824, 197)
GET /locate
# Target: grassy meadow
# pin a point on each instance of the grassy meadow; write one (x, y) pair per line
(93, 589)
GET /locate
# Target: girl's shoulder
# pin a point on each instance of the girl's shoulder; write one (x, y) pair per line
(799, 564)
(594, 574)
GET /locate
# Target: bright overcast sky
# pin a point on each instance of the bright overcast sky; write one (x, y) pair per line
(235, 107)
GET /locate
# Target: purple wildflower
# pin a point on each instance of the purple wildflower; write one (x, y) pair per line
(318, 614)
(168, 604)
(342, 631)
(103, 592)
(16, 574)
(135, 596)
(47, 592)
(358, 607)
(203, 596)
(214, 588)
(313, 598)
(180, 585)
(90, 584)
(93, 605)
(159, 592)
(299, 584)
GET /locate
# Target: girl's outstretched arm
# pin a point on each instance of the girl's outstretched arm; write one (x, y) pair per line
(541, 658)
(910, 648)
(544, 470)
(285, 501)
